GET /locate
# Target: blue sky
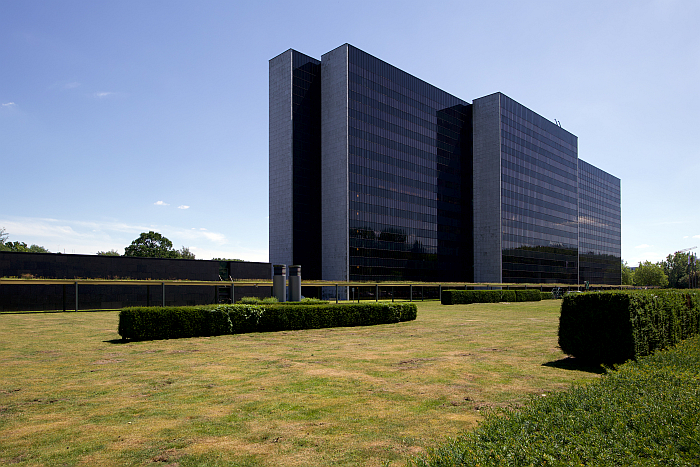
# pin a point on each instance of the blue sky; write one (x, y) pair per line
(123, 117)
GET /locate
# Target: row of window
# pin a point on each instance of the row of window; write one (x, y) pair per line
(542, 138)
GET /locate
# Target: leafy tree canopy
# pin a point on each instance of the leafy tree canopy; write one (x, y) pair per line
(151, 245)
(677, 268)
(650, 274)
(228, 259)
(627, 274)
(185, 253)
(108, 253)
(154, 245)
(18, 246)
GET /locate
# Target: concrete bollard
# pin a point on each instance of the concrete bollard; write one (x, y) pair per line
(279, 282)
(295, 283)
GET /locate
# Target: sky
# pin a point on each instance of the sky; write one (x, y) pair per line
(118, 118)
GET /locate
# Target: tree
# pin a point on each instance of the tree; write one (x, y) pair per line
(627, 274)
(676, 268)
(151, 245)
(154, 245)
(650, 274)
(185, 253)
(228, 259)
(18, 246)
(108, 253)
(3, 236)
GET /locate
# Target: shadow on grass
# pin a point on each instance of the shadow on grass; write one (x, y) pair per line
(571, 363)
(117, 341)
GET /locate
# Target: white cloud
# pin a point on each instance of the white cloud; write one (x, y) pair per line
(88, 237)
(101, 95)
(161, 203)
(72, 85)
(9, 104)
(182, 206)
(696, 236)
(643, 245)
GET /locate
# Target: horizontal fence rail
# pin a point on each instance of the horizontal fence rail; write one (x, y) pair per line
(337, 290)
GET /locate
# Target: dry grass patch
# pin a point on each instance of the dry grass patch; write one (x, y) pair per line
(71, 393)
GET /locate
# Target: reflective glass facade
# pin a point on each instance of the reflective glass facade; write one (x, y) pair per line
(395, 179)
(539, 200)
(409, 150)
(599, 225)
(306, 169)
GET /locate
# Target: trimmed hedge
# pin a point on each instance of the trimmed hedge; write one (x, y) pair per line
(613, 327)
(528, 295)
(645, 413)
(148, 323)
(546, 296)
(461, 297)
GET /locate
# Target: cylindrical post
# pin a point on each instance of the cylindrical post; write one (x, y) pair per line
(233, 297)
(64, 298)
(392, 294)
(148, 295)
(295, 283)
(376, 293)
(279, 282)
(421, 293)
(440, 292)
(162, 285)
(336, 293)
(410, 291)
(76, 295)
(216, 294)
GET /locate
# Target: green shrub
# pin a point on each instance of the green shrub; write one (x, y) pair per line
(249, 300)
(546, 296)
(149, 323)
(269, 300)
(613, 327)
(462, 297)
(528, 295)
(645, 413)
(174, 322)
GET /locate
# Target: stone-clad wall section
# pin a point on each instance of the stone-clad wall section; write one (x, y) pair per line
(487, 188)
(334, 166)
(281, 159)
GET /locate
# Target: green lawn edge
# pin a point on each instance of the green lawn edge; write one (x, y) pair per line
(645, 412)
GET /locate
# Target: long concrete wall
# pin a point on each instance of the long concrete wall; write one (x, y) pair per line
(60, 266)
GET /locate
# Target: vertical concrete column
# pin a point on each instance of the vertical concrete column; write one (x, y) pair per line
(279, 282)
(295, 283)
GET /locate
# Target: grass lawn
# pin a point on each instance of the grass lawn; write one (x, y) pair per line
(72, 394)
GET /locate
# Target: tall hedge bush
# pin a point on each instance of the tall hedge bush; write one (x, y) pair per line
(612, 327)
(147, 323)
(462, 297)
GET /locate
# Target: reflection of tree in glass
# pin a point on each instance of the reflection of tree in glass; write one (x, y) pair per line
(393, 235)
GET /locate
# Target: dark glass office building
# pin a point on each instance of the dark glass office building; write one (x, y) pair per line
(378, 175)
(599, 225)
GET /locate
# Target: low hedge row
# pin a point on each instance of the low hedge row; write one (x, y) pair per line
(462, 297)
(148, 323)
(644, 413)
(613, 327)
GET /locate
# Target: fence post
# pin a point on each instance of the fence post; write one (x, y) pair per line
(410, 290)
(336, 293)
(233, 297)
(76, 295)
(392, 294)
(162, 284)
(64, 298)
(440, 292)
